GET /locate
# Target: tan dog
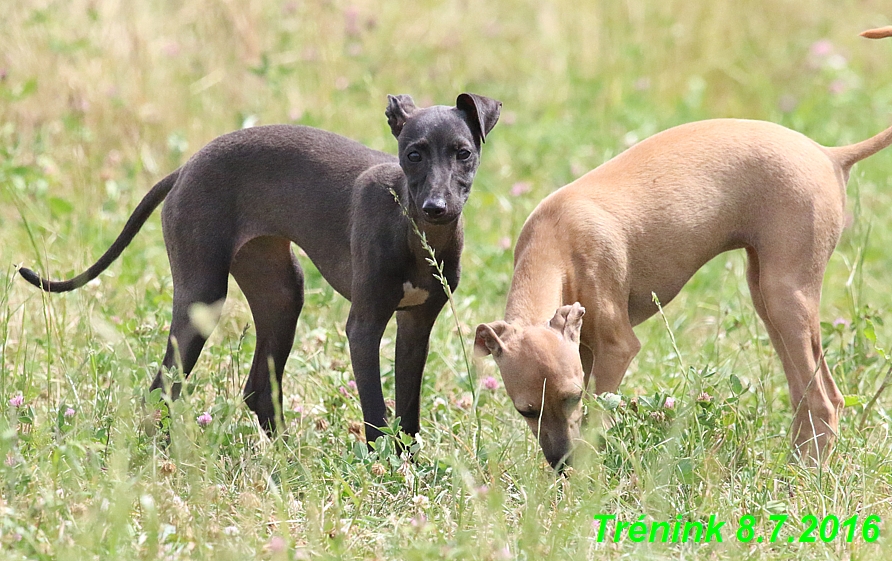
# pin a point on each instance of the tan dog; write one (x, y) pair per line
(645, 222)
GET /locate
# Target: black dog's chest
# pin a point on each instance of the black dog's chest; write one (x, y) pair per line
(421, 287)
(413, 295)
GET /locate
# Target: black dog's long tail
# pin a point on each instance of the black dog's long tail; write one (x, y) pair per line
(143, 210)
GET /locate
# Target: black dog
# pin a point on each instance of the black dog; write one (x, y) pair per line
(236, 206)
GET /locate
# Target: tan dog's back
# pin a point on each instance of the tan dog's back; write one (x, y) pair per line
(681, 197)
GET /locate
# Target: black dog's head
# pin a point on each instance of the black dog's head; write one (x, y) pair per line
(439, 150)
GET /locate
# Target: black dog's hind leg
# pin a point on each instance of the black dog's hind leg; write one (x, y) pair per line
(207, 286)
(272, 280)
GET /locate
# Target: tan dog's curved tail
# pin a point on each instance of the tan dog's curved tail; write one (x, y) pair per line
(847, 156)
(878, 33)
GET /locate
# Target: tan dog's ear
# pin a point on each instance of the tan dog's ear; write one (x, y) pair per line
(567, 321)
(488, 339)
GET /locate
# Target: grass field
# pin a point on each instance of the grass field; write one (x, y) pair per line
(99, 99)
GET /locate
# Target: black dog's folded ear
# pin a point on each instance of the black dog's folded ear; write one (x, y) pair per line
(483, 112)
(399, 107)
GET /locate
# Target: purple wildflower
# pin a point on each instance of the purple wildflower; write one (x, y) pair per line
(821, 48)
(837, 87)
(520, 188)
(277, 544)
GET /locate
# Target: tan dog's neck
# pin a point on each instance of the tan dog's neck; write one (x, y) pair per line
(536, 289)
(544, 276)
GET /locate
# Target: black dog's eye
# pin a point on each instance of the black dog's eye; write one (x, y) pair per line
(413, 157)
(463, 154)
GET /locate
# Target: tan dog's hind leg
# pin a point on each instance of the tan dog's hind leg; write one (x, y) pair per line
(787, 300)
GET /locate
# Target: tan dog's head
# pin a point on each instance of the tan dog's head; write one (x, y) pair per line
(542, 372)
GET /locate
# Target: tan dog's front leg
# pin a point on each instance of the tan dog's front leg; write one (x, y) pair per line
(614, 346)
(588, 360)
(611, 362)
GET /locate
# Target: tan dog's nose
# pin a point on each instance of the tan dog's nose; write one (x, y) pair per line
(557, 450)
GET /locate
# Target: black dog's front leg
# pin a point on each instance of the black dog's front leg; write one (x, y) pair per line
(365, 327)
(412, 339)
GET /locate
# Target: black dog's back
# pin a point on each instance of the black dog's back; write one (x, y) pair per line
(294, 182)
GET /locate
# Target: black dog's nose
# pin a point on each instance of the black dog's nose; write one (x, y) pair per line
(434, 208)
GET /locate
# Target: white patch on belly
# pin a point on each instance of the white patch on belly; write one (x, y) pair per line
(413, 296)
